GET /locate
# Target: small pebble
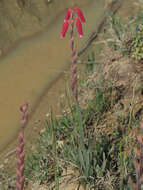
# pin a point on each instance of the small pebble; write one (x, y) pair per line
(37, 121)
(42, 131)
(6, 161)
(47, 115)
(1, 166)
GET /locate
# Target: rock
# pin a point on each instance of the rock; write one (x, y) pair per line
(1, 166)
(6, 161)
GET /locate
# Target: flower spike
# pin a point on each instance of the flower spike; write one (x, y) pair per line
(80, 15)
(64, 28)
(70, 19)
(79, 27)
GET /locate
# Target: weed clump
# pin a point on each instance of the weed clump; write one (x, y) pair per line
(138, 43)
(74, 141)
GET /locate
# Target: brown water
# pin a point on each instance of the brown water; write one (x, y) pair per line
(27, 71)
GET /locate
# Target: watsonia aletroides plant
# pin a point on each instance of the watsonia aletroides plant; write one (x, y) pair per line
(138, 161)
(20, 148)
(73, 15)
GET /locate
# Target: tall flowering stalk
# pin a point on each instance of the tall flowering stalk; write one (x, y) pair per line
(138, 162)
(20, 148)
(69, 20)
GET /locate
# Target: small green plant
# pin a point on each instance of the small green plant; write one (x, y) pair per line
(138, 43)
(90, 62)
(128, 38)
(84, 151)
(113, 45)
(52, 131)
(89, 156)
(42, 163)
(2, 186)
(117, 28)
(138, 162)
(120, 36)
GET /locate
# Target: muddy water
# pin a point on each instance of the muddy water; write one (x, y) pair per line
(26, 71)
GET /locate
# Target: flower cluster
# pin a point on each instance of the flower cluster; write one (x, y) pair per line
(79, 20)
(139, 28)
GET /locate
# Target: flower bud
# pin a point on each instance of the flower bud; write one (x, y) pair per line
(80, 15)
(64, 28)
(79, 27)
(68, 14)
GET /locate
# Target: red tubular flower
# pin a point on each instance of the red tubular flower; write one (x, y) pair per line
(68, 14)
(79, 14)
(64, 28)
(79, 27)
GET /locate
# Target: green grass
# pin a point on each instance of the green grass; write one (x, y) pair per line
(126, 37)
(99, 158)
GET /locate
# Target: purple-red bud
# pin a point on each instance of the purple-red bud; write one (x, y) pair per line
(19, 149)
(21, 156)
(22, 169)
(19, 162)
(20, 136)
